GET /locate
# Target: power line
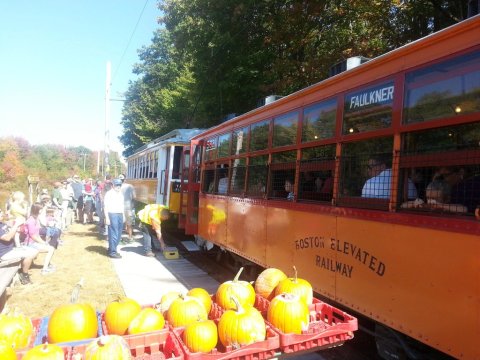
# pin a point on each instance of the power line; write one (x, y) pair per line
(130, 40)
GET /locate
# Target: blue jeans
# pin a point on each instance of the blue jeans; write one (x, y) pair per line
(114, 232)
(149, 238)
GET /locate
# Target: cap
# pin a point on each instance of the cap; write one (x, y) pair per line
(121, 177)
(117, 182)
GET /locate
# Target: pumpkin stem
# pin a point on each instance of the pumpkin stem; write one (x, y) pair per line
(237, 304)
(76, 292)
(235, 279)
(295, 274)
(103, 340)
(45, 346)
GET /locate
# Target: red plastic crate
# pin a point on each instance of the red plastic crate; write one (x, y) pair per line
(149, 346)
(328, 327)
(259, 350)
(66, 352)
(37, 325)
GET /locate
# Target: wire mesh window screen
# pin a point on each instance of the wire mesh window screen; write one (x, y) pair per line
(257, 178)
(444, 165)
(366, 173)
(237, 179)
(208, 185)
(317, 173)
(282, 181)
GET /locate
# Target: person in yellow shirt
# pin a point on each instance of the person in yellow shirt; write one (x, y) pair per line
(151, 217)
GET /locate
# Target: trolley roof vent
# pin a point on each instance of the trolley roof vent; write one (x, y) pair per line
(269, 99)
(228, 117)
(348, 64)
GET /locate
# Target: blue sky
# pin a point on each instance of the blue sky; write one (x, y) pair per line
(53, 56)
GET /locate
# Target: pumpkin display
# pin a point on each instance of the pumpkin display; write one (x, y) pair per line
(242, 291)
(200, 336)
(7, 352)
(15, 328)
(186, 310)
(203, 296)
(108, 347)
(289, 313)
(267, 281)
(147, 320)
(45, 352)
(167, 300)
(297, 286)
(72, 322)
(119, 314)
(242, 326)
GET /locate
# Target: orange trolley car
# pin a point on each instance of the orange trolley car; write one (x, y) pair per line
(368, 182)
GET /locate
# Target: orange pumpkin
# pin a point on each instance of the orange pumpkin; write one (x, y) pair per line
(7, 352)
(186, 310)
(203, 296)
(15, 329)
(267, 281)
(242, 326)
(147, 320)
(108, 347)
(119, 314)
(241, 290)
(167, 300)
(46, 352)
(72, 322)
(200, 336)
(297, 286)
(289, 313)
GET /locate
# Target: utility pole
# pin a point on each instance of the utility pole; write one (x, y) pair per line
(106, 166)
(84, 158)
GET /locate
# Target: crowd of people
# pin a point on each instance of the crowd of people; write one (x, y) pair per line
(27, 230)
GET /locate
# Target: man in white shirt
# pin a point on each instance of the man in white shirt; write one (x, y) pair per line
(114, 209)
(380, 182)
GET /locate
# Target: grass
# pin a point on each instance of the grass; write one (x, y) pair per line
(83, 255)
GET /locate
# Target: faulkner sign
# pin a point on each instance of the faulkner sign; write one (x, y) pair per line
(372, 105)
(371, 97)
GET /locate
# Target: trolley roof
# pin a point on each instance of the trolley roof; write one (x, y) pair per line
(174, 137)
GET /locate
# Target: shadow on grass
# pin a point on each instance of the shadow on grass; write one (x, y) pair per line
(97, 249)
(78, 234)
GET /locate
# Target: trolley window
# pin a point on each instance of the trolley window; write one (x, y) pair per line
(368, 109)
(211, 149)
(444, 89)
(239, 141)
(366, 174)
(259, 135)
(282, 175)
(237, 179)
(224, 145)
(285, 129)
(208, 178)
(317, 173)
(257, 176)
(319, 121)
(444, 164)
